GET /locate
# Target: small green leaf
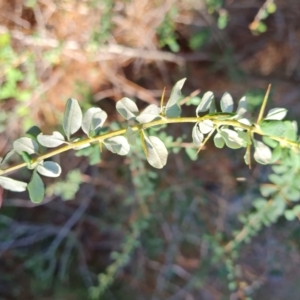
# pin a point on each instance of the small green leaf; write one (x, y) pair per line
(157, 153)
(127, 108)
(242, 106)
(268, 190)
(191, 153)
(26, 144)
(290, 215)
(49, 169)
(7, 156)
(33, 132)
(273, 128)
(232, 138)
(118, 145)
(12, 185)
(51, 141)
(172, 109)
(197, 135)
(218, 140)
(72, 117)
(262, 153)
(26, 157)
(150, 113)
(276, 114)
(93, 119)
(36, 188)
(131, 135)
(227, 103)
(206, 126)
(205, 102)
(270, 142)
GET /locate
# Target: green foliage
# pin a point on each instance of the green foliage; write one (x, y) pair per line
(142, 136)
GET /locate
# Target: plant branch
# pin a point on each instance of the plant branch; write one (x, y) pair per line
(217, 119)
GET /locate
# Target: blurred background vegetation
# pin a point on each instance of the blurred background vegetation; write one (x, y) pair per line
(131, 232)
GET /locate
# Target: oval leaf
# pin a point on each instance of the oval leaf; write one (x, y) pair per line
(206, 126)
(131, 135)
(36, 188)
(197, 135)
(218, 140)
(242, 107)
(118, 145)
(232, 138)
(93, 119)
(49, 169)
(127, 108)
(51, 141)
(72, 117)
(262, 153)
(12, 185)
(26, 144)
(157, 153)
(227, 103)
(276, 114)
(150, 113)
(205, 103)
(173, 110)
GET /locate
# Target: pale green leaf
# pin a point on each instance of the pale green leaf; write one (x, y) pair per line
(49, 169)
(244, 121)
(7, 155)
(290, 215)
(173, 110)
(227, 103)
(276, 114)
(12, 184)
(26, 144)
(36, 188)
(72, 117)
(197, 135)
(131, 135)
(93, 119)
(127, 108)
(206, 126)
(242, 106)
(205, 102)
(232, 138)
(218, 140)
(118, 145)
(150, 113)
(157, 153)
(262, 153)
(51, 141)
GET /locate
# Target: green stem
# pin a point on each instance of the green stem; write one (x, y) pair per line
(217, 119)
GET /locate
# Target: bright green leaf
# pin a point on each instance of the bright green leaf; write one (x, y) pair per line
(72, 117)
(127, 108)
(36, 188)
(290, 215)
(12, 184)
